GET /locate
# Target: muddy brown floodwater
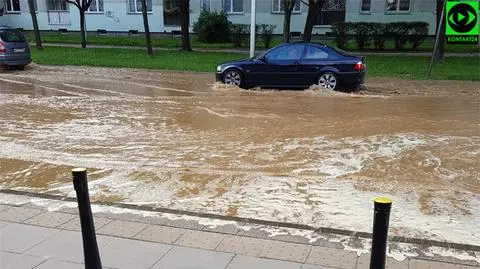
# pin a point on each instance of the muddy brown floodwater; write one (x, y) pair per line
(179, 140)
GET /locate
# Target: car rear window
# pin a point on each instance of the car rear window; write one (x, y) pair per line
(340, 51)
(11, 36)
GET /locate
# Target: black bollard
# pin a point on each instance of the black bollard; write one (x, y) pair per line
(90, 247)
(381, 218)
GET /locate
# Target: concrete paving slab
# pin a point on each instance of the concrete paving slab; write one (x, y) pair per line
(332, 257)
(18, 261)
(244, 262)
(242, 245)
(225, 229)
(4, 207)
(160, 234)
(199, 239)
(181, 223)
(311, 266)
(18, 214)
(425, 264)
(133, 254)
(122, 228)
(291, 238)
(3, 223)
(18, 238)
(50, 219)
(286, 251)
(74, 224)
(191, 258)
(254, 232)
(364, 263)
(66, 246)
(470, 267)
(56, 264)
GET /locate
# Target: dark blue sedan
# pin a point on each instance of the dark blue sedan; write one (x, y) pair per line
(296, 65)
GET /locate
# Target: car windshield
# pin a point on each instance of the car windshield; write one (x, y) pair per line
(11, 36)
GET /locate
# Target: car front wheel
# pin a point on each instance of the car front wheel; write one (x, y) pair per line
(328, 81)
(232, 77)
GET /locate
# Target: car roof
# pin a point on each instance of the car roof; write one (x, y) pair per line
(5, 27)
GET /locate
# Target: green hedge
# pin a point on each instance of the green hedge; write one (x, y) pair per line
(367, 33)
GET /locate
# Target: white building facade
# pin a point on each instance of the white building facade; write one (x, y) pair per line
(125, 15)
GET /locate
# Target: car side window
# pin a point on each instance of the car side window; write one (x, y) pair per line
(290, 52)
(316, 53)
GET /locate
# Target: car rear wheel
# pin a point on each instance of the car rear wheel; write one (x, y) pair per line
(328, 81)
(233, 77)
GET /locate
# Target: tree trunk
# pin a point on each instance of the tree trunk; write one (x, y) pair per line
(38, 41)
(438, 56)
(314, 7)
(147, 29)
(307, 31)
(286, 26)
(82, 28)
(185, 17)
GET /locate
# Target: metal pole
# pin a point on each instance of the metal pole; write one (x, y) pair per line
(252, 29)
(90, 247)
(381, 220)
(435, 47)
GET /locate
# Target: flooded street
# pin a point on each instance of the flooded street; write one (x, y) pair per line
(179, 140)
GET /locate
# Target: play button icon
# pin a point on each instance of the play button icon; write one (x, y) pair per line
(462, 18)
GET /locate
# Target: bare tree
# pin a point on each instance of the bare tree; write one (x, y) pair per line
(148, 40)
(185, 23)
(438, 56)
(83, 6)
(38, 41)
(288, 6)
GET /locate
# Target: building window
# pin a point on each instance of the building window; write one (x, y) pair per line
(13, 5)
(365, 5)
(56, 5)
(333, 11)
(171, 13)
(135, 6)
(233, 6)
(205, 5)
(96, 6)
(398, 5)
(278, 6)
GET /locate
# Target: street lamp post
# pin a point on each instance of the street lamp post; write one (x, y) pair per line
(252, 29)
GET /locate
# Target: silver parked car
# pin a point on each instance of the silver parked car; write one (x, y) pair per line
(14, 50)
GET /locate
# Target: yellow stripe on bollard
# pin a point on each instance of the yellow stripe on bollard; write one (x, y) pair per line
(383, 200)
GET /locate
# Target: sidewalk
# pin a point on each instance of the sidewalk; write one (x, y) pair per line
(424, 54)
(32, 237)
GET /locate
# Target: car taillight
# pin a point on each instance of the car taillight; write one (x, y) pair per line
(359, 66)
(2, 47)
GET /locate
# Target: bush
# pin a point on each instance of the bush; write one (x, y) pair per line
(212, 27)
(266, 32)
(240, 33)
(397, 31)
(341, 30)
(363, 33)
(417, 33)
(378, 35)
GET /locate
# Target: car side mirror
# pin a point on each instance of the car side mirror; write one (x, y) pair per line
(262, 59)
